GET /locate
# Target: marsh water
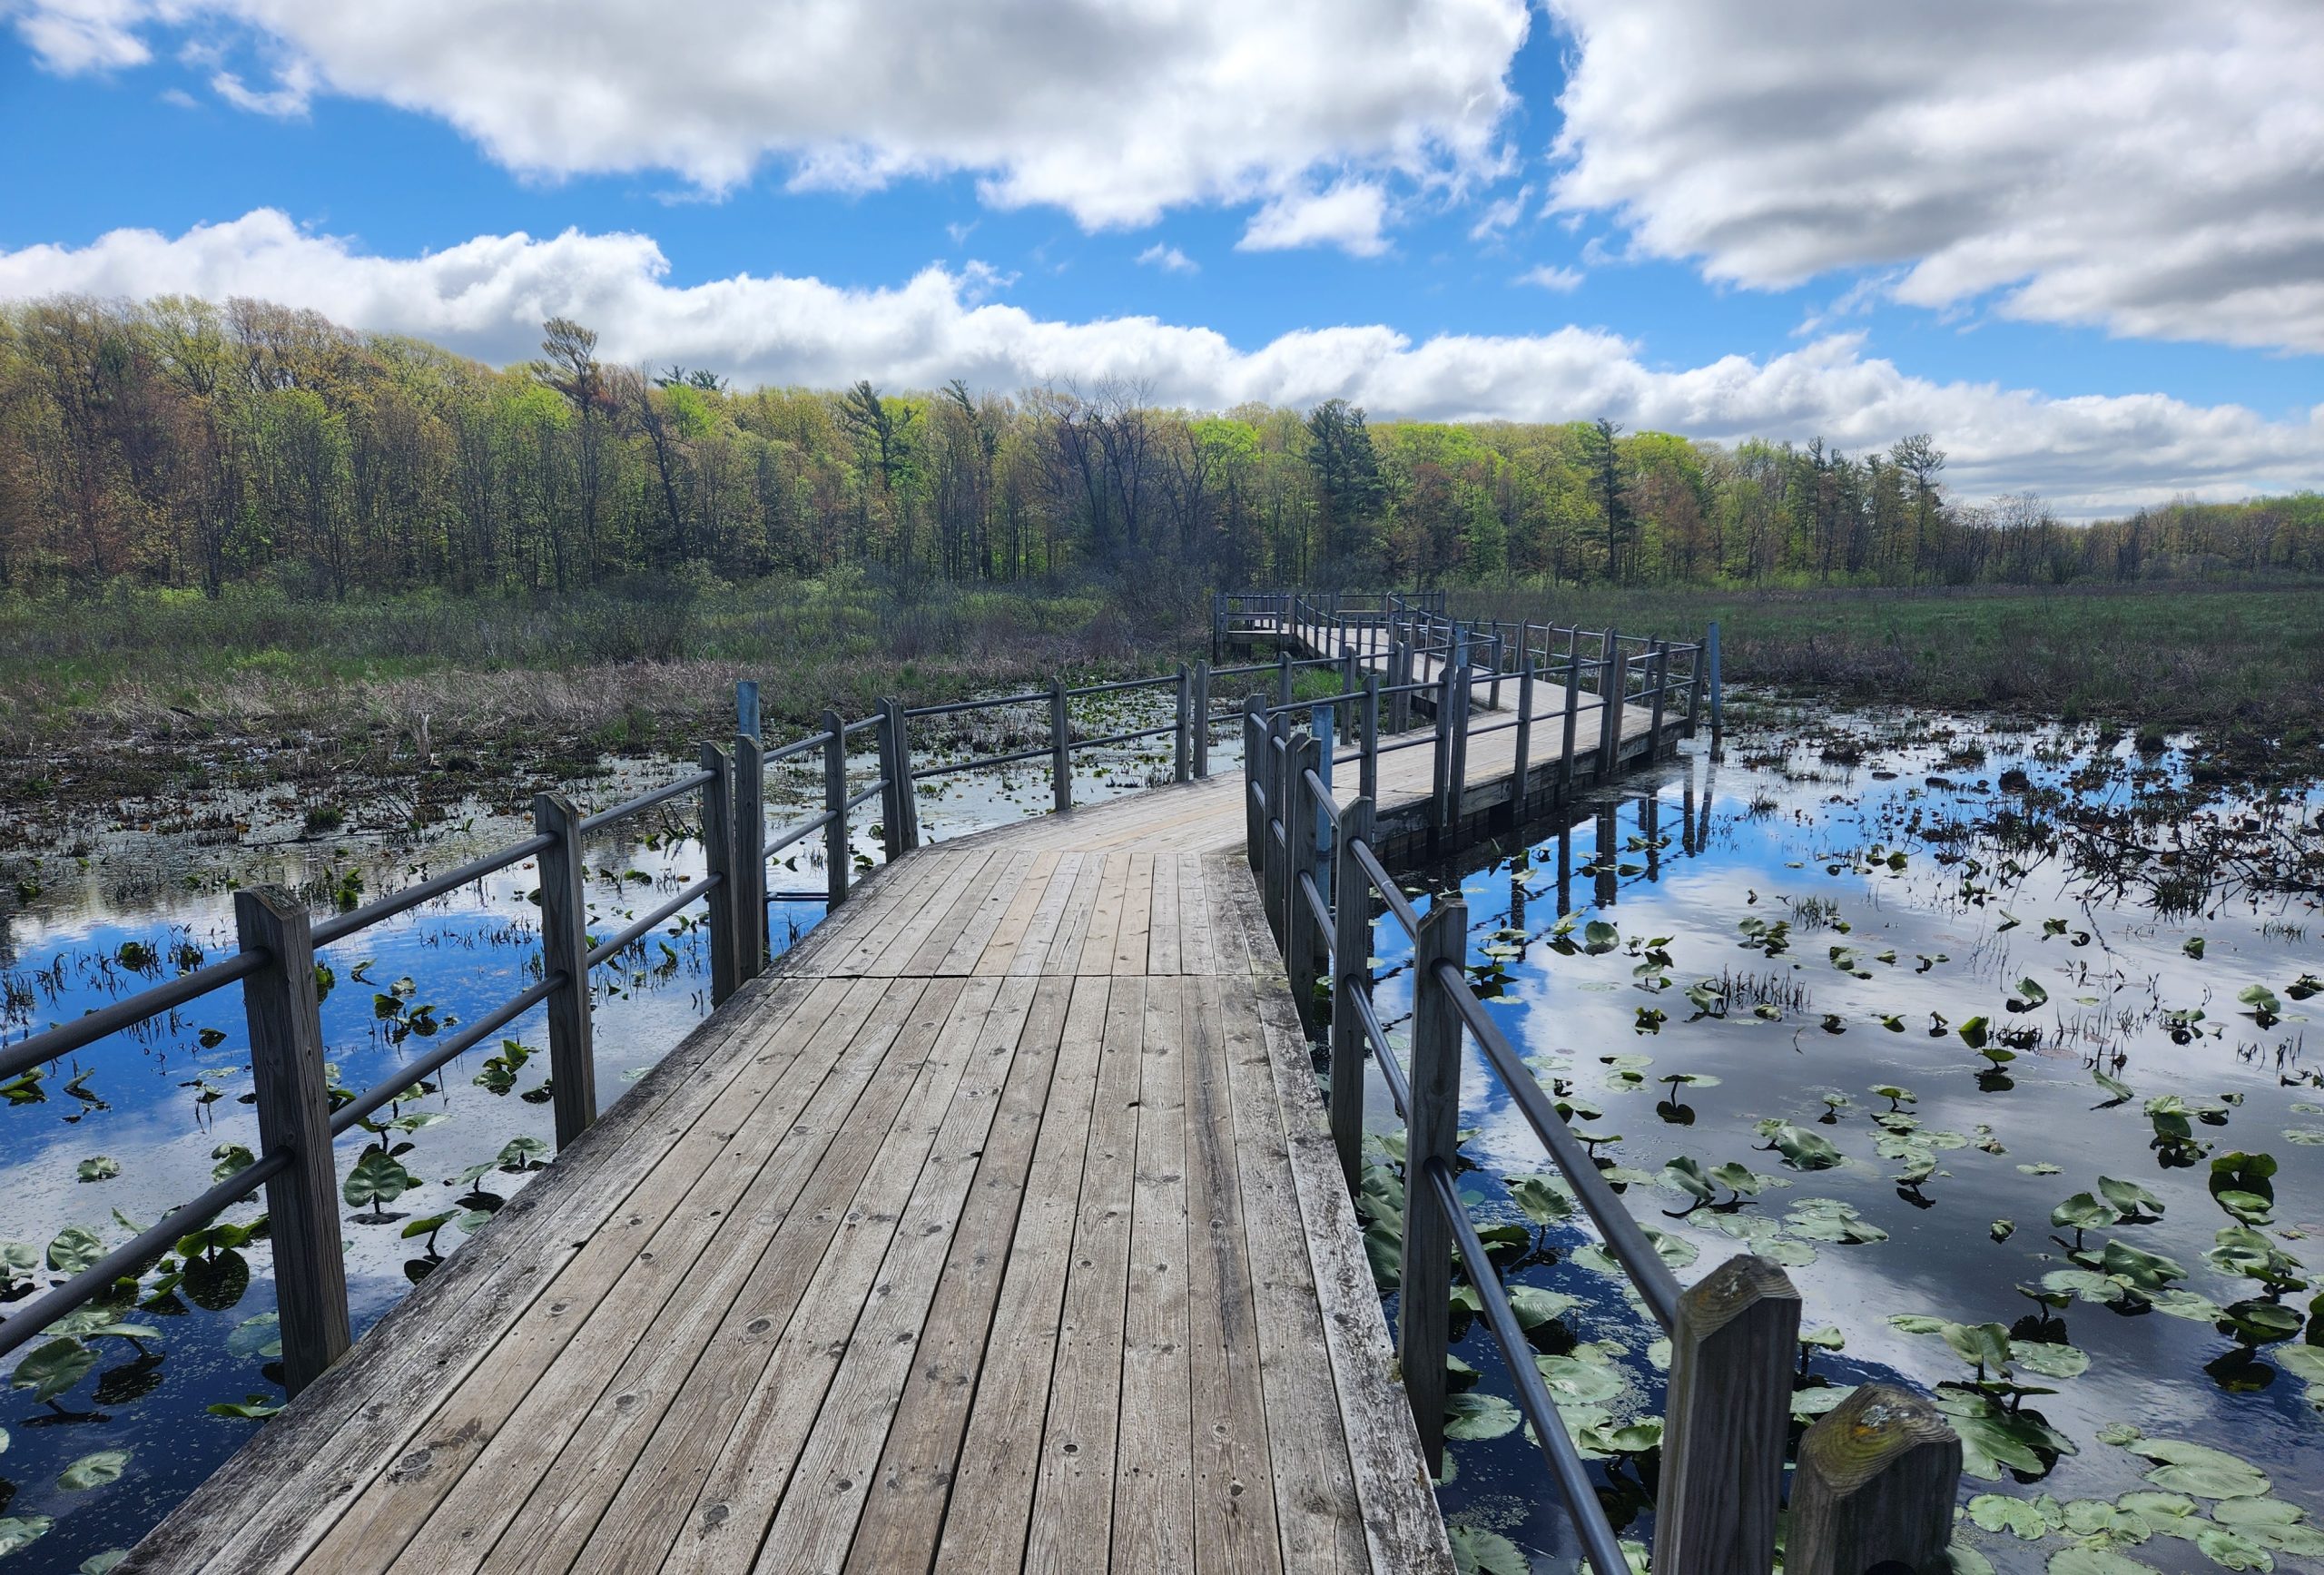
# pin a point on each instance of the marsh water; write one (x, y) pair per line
(1833, 906)
(1965, 1028)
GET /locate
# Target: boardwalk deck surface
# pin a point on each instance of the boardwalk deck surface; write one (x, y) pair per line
(997, 1229)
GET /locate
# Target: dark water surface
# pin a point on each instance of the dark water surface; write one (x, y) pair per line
(1920, 878)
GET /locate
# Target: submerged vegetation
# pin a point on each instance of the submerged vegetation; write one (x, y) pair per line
(1997, 1042)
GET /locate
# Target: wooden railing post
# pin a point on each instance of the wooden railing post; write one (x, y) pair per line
(285, 1029)
(1300, 815)
(1613, 698)
(1201, 710)
(1432, 1131)
(1456, 772)
(1694, 689)
(750, 857)
(1727, 1420)
(899, 809)
(1441, 754)
(1658, 666)
(1351, 972)
(1368, 767)
(1060, 747)
(1181, 758)
(1874, 1487)
(1218, 628)
(718, 855)
(1710, 656)
(1283, 677)
(746, 708)
(1278, 780)
(1492, 698)
(1255, 754)
(836, 854)
(565, 949)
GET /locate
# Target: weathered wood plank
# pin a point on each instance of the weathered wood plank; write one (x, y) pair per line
(1165, 945)
(1135, 929)
(1153, 1468)
(904, 1515)
(290, 1484)
(818, 1517)
(501, 1432)
(1400, 1520)
(663, 1408)
(1072, 1501)
(1234, 1513)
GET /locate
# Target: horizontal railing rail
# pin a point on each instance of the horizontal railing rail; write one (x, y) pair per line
(274, 965)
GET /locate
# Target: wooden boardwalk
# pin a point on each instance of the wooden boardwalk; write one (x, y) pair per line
(998, 1228)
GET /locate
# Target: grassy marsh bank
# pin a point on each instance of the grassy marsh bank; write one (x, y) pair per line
(2242, 666)
(151, 695)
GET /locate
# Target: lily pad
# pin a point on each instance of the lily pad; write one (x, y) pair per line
(93, 1470)
(2200, 1470)
(1475, 1415)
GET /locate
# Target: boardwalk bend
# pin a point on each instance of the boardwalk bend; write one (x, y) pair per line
(1003, 1223)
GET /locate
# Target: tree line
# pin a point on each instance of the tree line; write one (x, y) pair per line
(183, 443)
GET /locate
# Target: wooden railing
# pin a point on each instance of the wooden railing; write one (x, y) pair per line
(1877, 1477)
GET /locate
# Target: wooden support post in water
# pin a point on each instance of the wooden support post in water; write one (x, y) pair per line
(1368, 768)
(1440, 802)
(1060, 747)
(1432, 1131)
(564, 949)
(285, 1029)
(1350, 973)
(1572, 718)
(1874, 1487)
(1202, 722)
(1182, 759)
(750, 857)
(1613, 697)
(1456, 774)
(1710, 657)
(1300, 815)
(836, 844)
(1694, 690)
(718, 855)
(1727, 1420)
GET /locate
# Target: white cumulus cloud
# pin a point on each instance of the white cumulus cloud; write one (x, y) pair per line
(1550, 276)
(2149, 166)
(1350, 216)
(1113, 111)
(486, 296)
(1168, 258)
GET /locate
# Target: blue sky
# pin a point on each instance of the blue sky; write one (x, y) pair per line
(2072, 298)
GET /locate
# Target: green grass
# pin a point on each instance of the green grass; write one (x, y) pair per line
(116, 687)
(2236, 663)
